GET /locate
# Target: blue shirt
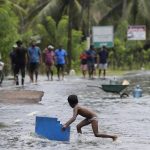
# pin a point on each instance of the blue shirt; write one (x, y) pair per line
(60, 56)
(91, 54)
(34, 54)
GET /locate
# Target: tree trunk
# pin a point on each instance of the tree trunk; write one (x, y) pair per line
(88, 38)
(124, 8)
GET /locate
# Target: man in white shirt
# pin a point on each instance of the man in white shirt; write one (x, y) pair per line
(1, 71)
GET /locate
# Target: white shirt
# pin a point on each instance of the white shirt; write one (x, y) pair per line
(1, 65)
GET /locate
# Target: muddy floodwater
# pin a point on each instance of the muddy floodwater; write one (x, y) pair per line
(128, 118)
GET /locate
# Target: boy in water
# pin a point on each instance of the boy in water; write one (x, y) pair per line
(90, 118)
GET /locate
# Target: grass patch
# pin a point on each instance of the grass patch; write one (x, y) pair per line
(116, 72)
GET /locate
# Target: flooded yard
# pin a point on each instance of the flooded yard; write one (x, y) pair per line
(128, 118)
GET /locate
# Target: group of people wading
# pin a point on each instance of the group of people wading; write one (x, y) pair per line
(32, 57)
(92, 60)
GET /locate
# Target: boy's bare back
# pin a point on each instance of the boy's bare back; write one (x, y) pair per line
(84, 112)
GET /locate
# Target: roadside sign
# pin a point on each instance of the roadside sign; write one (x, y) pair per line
(102, 36)
(137, 32)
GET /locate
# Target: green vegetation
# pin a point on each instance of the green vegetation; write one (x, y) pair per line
(8, 29)
(69, 22)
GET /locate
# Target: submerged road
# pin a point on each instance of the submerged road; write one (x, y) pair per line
(128, 118)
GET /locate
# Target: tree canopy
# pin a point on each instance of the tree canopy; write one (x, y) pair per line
(69, 22)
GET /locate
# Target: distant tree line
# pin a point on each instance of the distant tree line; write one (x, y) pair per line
(69, 22)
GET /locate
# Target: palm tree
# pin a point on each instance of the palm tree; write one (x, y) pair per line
(56, 9)
(134, 11)
(96, 12)
(8, 28)
(70, 35)
(77, 16)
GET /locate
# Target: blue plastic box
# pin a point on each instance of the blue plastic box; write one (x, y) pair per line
(51, 129)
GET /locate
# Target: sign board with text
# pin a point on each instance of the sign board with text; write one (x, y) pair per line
(137, 32)
(103, 36)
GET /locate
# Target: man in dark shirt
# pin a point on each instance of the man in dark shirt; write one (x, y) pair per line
(12, 56)
(21, 57)
(102, 61)
(91, 54)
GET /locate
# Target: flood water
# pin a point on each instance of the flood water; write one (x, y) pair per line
(128, 118)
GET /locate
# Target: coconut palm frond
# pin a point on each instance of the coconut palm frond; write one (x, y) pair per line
(115, 8)
(18, 9)
(76, 13)
(77, 5)
(33, 13)
(52, 8)
(2, 2)
(98, 9)
(144, 9)
(127, 13)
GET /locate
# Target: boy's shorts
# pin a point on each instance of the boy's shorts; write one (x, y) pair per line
(92, 119)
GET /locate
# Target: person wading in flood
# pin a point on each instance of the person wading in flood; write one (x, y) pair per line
(91, 54)
(60, 60)
(90, 118)
(20, 62)
(49, 59)
(34, 56)
(83, 59)
(102, 61)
